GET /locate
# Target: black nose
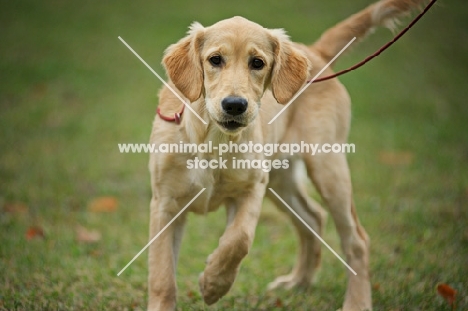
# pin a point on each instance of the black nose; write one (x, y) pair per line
(234, 105)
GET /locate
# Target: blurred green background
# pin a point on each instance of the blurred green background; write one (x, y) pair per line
(70, 91)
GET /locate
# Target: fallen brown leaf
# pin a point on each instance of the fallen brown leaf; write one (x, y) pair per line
(103, 204)
(95, 253)
(278, 303)
(34, 232)
(396, 158)
(190, 294)
(448, 293)
(86, 235)
(15, 208)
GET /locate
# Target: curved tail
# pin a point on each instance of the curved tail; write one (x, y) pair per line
(383, 13)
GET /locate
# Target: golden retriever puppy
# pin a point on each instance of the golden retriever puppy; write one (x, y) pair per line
(237, 76)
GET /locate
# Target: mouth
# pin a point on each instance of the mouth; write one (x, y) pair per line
(231, 125)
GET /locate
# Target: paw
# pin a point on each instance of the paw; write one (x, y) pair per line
(214, 286)
(289, 281)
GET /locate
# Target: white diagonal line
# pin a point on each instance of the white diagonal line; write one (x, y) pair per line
(160, 232)
(311, 81)
(312, 230)
(162, 80)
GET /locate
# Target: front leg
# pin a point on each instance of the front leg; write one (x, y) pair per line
(223, 264)
(163, 253)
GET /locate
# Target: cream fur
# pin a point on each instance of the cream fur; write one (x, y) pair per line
(321, 114)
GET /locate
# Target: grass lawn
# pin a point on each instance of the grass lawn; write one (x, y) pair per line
(70, 91)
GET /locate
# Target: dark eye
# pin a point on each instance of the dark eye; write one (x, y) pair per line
(215, 60)
(257, 64)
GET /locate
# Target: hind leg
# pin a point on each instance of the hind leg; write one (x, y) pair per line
(288, 185)
(330, 174)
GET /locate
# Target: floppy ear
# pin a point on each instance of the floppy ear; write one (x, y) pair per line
(291, 68)
(183, 64)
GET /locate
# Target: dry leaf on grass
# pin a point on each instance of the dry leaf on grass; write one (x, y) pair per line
(278, 303)
(396, 158)
(376, 286)
(34, 232)
(15, 208)
(191, 294)
(103, 204)
(86, 235)
(448, 293)
(95, 253)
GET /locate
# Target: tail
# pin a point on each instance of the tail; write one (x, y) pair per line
(383, 13)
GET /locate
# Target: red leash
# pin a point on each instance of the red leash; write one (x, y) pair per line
(383, 48)
(178, 115)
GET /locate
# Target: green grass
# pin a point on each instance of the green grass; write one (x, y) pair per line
(70, 91)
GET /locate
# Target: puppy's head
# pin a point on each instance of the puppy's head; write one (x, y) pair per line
(231, 64)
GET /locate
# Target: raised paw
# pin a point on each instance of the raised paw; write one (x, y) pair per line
(213, 286)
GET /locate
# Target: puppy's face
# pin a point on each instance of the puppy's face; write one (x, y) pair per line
(231, 64)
